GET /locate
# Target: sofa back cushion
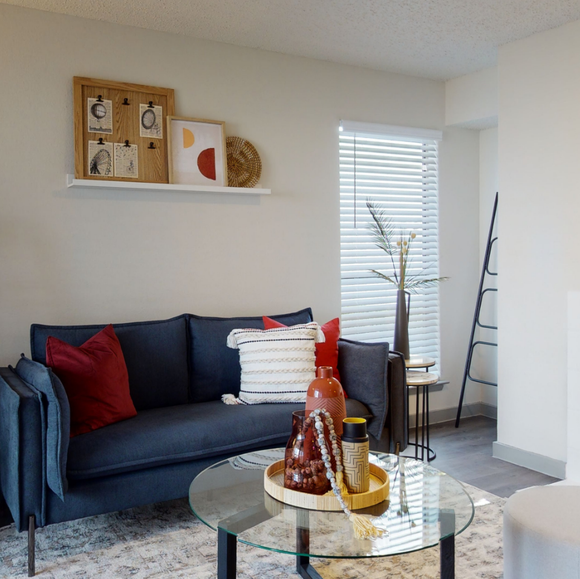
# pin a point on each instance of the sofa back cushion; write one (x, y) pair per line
(155, 353)
(215, 368)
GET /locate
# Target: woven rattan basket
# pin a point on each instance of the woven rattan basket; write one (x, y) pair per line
(244, 164)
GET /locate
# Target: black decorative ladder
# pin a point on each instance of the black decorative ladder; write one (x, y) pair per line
(476, 322)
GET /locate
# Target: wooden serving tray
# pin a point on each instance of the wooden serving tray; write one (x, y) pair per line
(377, 493)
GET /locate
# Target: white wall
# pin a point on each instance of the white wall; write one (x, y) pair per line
(88, 257)
(485, 357)
(539, 96)
(471, 100)
(458, 251)
(573, 396)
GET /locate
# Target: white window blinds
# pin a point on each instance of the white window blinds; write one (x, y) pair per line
(397, 168)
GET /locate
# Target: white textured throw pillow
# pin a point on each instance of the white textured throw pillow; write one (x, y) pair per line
(277, 365)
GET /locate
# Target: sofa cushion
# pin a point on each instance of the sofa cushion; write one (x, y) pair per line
(155, 353)
(95, 378)
(215, 368)
(44, 380)
(182, 433)
(177, 434)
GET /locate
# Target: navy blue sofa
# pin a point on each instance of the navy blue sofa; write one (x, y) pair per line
(178, 370)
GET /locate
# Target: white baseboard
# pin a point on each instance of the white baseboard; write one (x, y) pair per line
(531, 460)
(448, 414)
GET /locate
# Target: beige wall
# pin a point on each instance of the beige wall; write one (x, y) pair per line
(458, 252)
(539, 92)
(471, 100)
(485, 357)
(96, 256)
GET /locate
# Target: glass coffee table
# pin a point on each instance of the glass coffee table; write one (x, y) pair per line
(425, 508)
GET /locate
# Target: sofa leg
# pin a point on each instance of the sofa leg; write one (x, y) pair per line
(31, 545)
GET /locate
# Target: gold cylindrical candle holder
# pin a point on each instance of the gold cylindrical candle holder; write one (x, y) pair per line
(355, 455)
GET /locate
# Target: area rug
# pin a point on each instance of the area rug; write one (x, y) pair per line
(166, 540)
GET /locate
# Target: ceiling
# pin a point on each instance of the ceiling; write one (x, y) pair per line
(437, 39)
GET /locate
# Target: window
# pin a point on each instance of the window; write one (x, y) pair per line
(397, 168)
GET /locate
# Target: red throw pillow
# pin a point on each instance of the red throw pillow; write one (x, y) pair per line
(327, 351)
(95, 379)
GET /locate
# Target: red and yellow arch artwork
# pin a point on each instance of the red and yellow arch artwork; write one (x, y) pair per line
(206, 163)
(188, 139)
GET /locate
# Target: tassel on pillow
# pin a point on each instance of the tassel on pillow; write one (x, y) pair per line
(230, 399)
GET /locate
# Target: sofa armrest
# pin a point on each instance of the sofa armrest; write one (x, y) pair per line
(56, 414)
(363, 369)
(22, 450)
(398, 413)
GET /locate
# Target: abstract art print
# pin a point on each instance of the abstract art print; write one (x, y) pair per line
(100, 115)
(100, 159)
(150, 121)
(197, 152)
(126, 160)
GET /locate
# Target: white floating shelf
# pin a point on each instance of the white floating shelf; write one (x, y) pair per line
(102, 184)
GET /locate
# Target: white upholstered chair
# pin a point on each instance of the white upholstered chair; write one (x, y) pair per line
(541, 533)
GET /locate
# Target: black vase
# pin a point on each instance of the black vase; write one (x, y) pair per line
(402, 325)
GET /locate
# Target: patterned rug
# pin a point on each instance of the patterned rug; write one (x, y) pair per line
(166, 540)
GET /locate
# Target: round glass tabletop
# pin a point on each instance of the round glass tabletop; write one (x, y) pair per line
(425, 506)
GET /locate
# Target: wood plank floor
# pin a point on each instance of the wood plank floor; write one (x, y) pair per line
(465, 453)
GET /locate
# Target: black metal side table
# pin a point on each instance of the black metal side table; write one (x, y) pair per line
(421, 381)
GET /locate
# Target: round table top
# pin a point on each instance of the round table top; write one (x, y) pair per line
(421, 378)
(420, 362)
(230, 495)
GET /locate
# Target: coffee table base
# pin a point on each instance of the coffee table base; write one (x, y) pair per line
(303, 566)
(447, 545)
(227, 549)
(227, 555)
(447, 557)
(305, 569)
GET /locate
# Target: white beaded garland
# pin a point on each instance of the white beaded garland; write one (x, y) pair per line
(319, 425)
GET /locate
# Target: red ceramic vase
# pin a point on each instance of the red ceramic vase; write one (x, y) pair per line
(326, 392)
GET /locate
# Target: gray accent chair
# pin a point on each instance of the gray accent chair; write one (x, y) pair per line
(178, 370)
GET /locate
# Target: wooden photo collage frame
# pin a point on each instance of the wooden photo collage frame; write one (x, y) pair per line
(121, 130)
